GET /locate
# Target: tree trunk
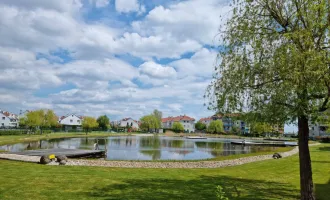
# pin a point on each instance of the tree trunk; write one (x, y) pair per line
(306, 179)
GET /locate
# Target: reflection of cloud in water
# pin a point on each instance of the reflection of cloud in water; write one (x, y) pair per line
(146, 148)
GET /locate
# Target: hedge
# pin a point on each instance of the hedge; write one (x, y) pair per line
(13, 132)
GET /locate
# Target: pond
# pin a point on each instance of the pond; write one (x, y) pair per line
(146, 147)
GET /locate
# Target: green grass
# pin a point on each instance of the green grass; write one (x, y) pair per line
(271, 179)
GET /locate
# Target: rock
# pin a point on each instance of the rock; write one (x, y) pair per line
(60, 158)
(277, 156)
(62, 162)
(44, 160)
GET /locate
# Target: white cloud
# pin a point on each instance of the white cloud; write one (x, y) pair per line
(157, 71)
(126, 6)
(195, 20)
(155, 46)
(202, 63)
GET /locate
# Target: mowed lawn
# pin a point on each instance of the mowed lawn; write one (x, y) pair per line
(272, 179)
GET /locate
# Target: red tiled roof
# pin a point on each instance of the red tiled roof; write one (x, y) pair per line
(178, 118)
(205, 119)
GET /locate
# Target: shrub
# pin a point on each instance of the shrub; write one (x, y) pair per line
(13, 132)
(325, 139)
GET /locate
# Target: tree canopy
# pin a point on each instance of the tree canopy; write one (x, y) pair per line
(177, 127)
(275, 61)
(104, 122)
(39, 119)
(89, 123)
(200, 126)
(215, 126)
(149, 122)
(260, 128)
(158, 114)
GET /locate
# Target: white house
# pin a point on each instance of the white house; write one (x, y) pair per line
(187, 122)
(70, 122)
(317, 129)
(8, 120)
(129, 122)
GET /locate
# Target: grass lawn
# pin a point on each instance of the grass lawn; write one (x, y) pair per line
(271, 179)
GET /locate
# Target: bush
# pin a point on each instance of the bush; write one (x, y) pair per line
(13, 132)
(325, 139)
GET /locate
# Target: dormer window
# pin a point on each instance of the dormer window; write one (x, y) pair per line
(71, 120)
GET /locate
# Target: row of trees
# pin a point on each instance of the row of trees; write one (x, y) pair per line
(215, 126)
(45, 119)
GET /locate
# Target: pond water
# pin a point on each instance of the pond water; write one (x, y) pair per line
(146, 147)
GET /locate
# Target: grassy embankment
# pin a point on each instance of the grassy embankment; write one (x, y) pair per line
(271, 179)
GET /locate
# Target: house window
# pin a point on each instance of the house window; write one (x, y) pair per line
(3, 118)
(71, 120)
(78, 121)
(2, 124)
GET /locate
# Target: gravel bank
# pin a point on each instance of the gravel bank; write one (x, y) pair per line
(133, 164)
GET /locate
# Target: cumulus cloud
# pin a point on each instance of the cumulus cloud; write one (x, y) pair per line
(100, 80)
(197, 20)
(156, 70)
(126, 6)
(200, 64)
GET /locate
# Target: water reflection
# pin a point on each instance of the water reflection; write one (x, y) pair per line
(145, 147)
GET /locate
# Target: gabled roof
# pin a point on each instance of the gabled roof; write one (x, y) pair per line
(205, 119)
(9, 115)
(178, 118)
(128, 118)
(63, 117)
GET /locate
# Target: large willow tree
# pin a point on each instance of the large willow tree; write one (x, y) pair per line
(275, 62)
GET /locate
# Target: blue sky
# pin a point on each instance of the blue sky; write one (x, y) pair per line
(122, 58)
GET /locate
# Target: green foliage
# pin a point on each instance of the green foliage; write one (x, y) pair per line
(149, 122)
(235, 130)
(221, 194)
(215, 126)
(104, 122)
(260, 128)
(89, 123)
(158, 114)
(39, 119)
(12, 132)
(275, 60)
(177, 127)
(200, 126)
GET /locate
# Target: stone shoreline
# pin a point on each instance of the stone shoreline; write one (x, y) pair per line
(134, 164)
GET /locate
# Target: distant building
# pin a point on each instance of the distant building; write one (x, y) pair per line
(8, 120)
(187, 122)
(71, 122)
(229, 121)
(129, 122)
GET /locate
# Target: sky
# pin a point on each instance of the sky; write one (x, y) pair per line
(121, 58)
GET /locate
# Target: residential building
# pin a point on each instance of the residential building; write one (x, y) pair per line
(228, 120)
(8, 120)
(187, 122)
(317, 129)
(71, 122)
(129, 122)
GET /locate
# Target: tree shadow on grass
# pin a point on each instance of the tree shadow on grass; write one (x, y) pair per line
(324, 148)
(202, 188)
(322, 191)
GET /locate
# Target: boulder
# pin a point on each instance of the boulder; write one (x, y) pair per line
(60, 158)
(44, 160)
(62, 162)
(277, 156)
